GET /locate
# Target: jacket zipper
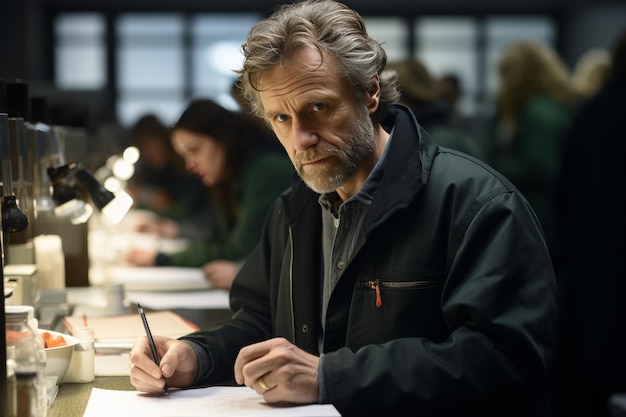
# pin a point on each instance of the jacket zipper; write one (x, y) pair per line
(376, 284)
(293, 317)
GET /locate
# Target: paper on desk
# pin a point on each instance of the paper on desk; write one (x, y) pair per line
(208, 299)
(158, 278)
(112, 365)
(213, 401)
(165, 323)
(117, 333)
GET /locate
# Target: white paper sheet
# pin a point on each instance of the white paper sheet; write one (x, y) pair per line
(158, 278)
(116, 334)
(199, 299)
(213, 401)
(112, 365)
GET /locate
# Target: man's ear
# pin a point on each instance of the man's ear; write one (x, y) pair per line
(373, 97)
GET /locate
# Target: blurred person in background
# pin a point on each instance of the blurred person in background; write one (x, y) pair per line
(535, 101)
(591, 72)
(450, 92)
(422, 93)
(245, 171)
(179, 202)
(591, 348)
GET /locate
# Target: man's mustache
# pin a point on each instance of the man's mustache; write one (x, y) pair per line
(310, 155)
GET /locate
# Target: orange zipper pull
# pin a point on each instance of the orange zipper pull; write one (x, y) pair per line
(376, 286)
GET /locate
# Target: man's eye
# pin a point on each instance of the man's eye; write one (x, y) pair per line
(318, 106)
(281, 117)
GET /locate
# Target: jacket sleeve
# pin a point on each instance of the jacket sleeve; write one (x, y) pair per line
(499, 303)
(218, 347)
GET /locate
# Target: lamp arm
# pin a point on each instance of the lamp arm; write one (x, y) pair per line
(99, 195)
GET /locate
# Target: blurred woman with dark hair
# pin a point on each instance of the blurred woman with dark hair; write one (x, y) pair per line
(245, 170)
(169, 201)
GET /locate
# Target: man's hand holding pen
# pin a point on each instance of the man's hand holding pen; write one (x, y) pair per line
(178, 365)
(274, 368)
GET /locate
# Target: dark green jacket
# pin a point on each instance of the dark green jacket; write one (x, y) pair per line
(532, 160)
(467, 288)
(263, 179)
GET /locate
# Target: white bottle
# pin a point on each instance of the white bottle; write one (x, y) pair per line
(41, 363)
(50, 261)
(82, 366)
(33, 323)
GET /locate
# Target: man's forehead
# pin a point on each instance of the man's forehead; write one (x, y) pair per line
(306, 61)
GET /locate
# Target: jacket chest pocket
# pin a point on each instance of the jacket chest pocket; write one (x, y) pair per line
(378, 286)
(387, 309)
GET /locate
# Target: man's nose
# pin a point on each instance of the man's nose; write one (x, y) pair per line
(303, 136)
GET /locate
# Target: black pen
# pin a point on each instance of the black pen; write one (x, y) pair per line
(155, 355)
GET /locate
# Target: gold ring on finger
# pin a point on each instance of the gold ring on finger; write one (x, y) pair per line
(263, 385)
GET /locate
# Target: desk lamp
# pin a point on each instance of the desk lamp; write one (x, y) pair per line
(17, 186)
(69, 201)
(13, 218)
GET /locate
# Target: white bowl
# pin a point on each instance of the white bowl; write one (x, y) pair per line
(58, 358)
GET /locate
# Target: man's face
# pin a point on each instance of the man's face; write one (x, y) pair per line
(325, 130)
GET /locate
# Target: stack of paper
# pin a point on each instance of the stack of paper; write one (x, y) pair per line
(116, 334)
(112, 365)
(158, 278)
(194, 300)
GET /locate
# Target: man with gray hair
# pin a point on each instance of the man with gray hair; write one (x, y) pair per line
(394, 275)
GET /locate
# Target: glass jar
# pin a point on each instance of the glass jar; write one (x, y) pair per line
(22, 341)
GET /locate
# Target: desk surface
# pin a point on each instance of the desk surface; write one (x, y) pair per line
(72, 399)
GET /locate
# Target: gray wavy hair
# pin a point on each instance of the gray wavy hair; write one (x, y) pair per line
(328, 26)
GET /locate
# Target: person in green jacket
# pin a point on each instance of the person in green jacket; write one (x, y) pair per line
(245, 170)
(536, 100)
(395, 276)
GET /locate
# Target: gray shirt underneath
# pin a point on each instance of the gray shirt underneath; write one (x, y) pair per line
(342, 224)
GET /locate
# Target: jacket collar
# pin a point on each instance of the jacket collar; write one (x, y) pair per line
(406, 169)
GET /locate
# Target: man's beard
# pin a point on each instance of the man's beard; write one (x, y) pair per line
(341, 164)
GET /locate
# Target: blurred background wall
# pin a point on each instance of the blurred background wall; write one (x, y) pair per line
(106, 62)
